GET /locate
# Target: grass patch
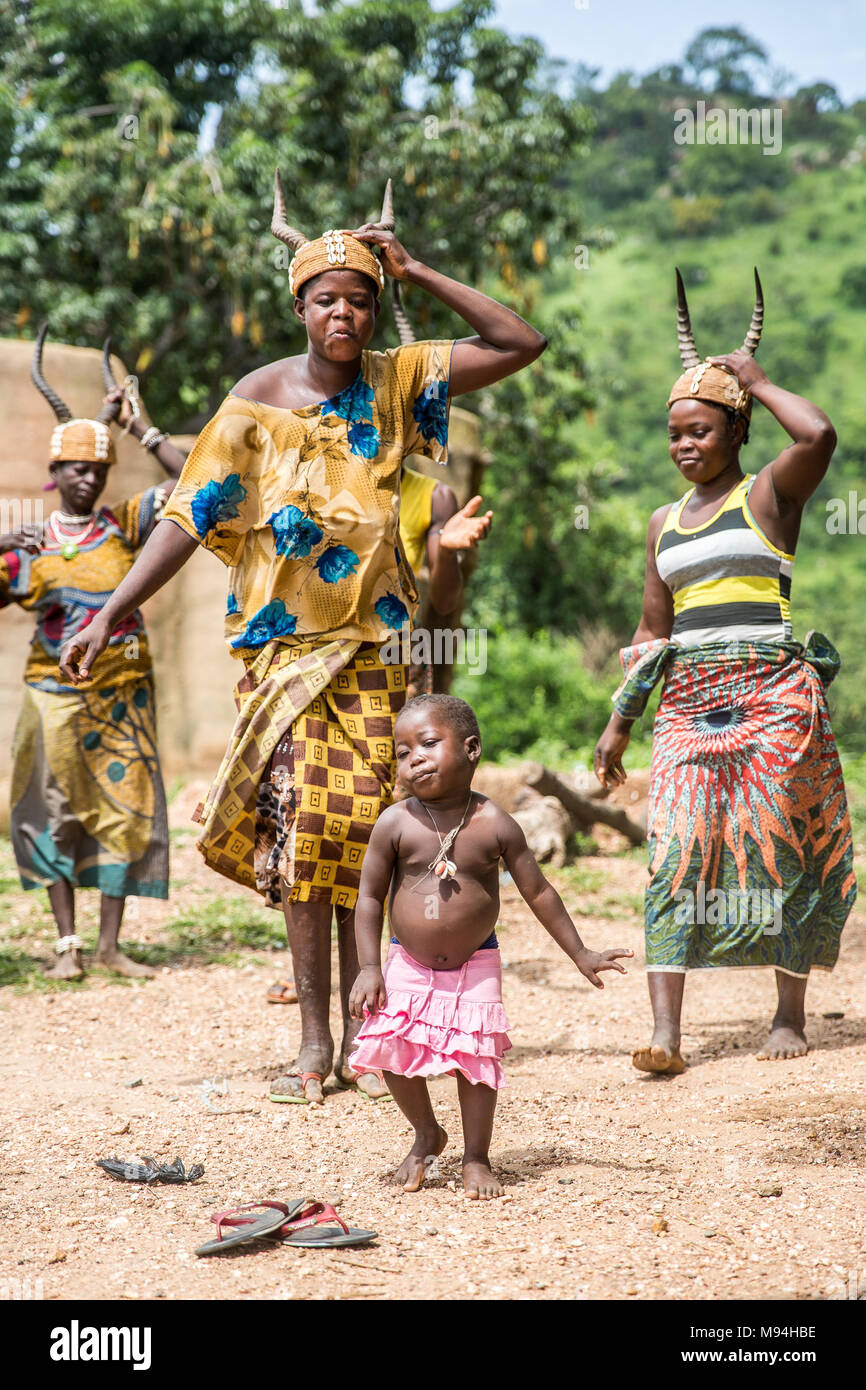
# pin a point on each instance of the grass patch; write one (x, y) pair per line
(217, 932)
(582, 879)
(23, 972)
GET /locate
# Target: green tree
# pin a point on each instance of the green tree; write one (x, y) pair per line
(150, 231)
(727, 60)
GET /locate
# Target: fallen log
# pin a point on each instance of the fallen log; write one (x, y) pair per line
(585, 810)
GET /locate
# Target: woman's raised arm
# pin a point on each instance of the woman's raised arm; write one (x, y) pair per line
(505, 341)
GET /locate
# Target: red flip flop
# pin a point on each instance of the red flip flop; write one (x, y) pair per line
(319, 1226)
(303, 1098)
(267, 1223)
(353, 1085)
(283, 992)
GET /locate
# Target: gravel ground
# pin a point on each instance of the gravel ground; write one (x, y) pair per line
(619, 1185)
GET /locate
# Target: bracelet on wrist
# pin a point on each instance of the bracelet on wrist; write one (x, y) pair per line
(152, 438)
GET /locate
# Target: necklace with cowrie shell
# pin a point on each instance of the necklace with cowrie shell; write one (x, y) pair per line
(442, 866)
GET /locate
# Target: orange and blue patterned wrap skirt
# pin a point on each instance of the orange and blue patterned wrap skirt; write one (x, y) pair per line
(751, 858)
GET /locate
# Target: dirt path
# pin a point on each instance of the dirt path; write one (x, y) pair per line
(618, 1185)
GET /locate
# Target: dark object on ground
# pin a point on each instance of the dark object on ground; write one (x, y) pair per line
(150, 1171)
(585, 810)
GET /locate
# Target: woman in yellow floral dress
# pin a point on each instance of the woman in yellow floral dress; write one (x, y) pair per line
(295, 486)
(88, 806)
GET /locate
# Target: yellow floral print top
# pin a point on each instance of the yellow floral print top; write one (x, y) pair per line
(303, 505)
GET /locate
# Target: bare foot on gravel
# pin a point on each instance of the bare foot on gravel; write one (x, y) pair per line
(657, 1058)
(479, 1182)
(410, 1174)
(120, 964)
(66, 967)
(784, 1042)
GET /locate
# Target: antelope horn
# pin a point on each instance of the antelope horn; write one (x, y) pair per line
(108, 412)
(405, 331)
(685, 337)
(60, 408)
(279, 226)
(386, 216)
(753, 337)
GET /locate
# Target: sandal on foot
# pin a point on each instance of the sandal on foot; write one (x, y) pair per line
(283, 992)
(302, 1098)
(352, 1085)
(267, 1223)
(319, 1227)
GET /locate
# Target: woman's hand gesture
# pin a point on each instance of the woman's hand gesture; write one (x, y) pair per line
(464, 530)
(607, 758)
(743, 366)
(80, 652)
(29, 538)
(395, 259)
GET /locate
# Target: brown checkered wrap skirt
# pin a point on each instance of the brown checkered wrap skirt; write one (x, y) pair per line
(305, 823)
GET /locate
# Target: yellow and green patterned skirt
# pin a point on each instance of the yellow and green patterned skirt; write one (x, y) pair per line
(88, 804)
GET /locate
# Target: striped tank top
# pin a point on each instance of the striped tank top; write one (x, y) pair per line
(729, 582)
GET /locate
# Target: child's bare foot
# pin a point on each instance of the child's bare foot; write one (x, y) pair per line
(410, 1174)
(785, 1040)
(479, 1181)
(122, 965)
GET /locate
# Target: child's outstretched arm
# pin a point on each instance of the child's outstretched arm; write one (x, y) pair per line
(549, 908)
(376, 874)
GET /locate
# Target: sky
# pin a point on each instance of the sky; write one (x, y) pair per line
(815, 40)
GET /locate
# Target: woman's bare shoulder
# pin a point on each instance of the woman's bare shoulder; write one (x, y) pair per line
(268, 382)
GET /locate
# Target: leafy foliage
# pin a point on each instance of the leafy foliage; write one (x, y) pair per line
(154, 222)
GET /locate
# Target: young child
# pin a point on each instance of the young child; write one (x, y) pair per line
(437, 1007)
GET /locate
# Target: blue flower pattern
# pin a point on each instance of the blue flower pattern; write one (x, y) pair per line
(430, 412)
(351, 404)
(364, 439)
(355, 406)
(216, 502)
(336, 563)
(271, 621)
(392, 612)
(294, 533)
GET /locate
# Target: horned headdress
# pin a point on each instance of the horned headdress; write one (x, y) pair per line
(703, 381)
(76, 440)
(333, 250)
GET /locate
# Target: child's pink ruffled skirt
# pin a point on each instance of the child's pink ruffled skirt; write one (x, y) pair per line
(438, 1022)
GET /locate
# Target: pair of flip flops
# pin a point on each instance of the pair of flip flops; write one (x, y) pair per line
(314, 1226)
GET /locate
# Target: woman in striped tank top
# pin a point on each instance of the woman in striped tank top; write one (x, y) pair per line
(749, 836)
